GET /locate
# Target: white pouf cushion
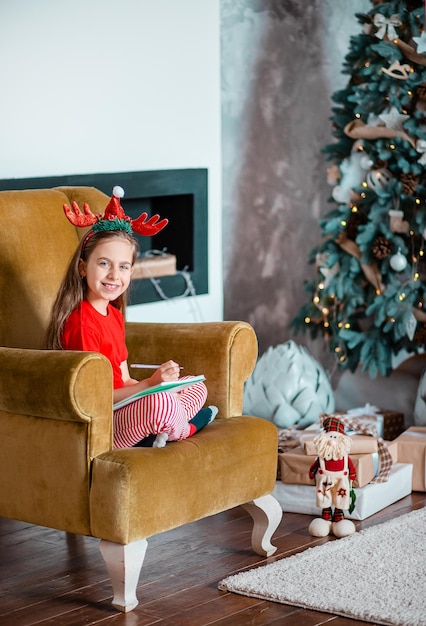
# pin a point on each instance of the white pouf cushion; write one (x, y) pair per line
(288, 387)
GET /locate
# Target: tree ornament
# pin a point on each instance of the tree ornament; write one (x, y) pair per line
(397, 224)
(333, 174)
(420, 335)
(409, 183)
(353, 171)
(393, 118)
(411, 327)
(396, 70)
(355, 220)
(421, 43)
(421, 91)
(421, 148)
(398, 262)
(378, 179)
(381, 247)
(386, 27)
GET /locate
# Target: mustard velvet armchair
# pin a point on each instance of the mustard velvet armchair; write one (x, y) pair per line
(57, 463)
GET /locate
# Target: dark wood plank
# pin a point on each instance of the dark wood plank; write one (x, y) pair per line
(50, 577)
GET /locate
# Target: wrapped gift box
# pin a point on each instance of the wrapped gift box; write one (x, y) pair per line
(294, 466)
(393, 424)
(389, 424)
(369, 499)
(361, 444)
(151, 266)
(412, 449)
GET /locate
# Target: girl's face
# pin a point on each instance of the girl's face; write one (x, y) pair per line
(108, 271)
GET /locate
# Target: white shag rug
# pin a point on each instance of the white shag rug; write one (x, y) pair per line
(376, 575)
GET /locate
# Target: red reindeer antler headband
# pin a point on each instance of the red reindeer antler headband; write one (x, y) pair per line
(113, 218)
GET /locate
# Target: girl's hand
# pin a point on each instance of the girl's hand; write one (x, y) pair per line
(167, 372)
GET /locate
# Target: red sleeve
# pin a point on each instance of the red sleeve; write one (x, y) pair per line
(73, 337)
(314, 468)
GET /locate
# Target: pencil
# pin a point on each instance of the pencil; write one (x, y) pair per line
(142, 366)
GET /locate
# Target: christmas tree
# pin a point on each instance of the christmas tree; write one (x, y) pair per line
(368, 296)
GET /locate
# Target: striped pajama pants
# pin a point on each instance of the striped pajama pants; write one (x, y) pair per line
(163, 412)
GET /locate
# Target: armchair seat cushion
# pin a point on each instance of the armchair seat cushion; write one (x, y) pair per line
(139, 492)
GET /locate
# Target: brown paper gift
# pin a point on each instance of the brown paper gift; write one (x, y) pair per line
(412, 449)
(361, 444)
(154, 265)
(295, 464)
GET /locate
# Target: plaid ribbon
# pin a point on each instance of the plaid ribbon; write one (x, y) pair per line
(353, 423)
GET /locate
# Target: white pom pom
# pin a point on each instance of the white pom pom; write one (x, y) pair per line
(118, 191)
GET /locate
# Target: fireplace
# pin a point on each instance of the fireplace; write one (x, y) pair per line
(181, 196)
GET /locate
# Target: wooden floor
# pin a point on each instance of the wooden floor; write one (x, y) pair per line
(49, 577)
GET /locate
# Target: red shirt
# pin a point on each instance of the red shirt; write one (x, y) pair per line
(88, 330)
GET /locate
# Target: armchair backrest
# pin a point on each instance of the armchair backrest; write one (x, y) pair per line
(36, 244)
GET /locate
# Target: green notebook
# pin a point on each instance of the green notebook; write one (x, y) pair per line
(176, 385)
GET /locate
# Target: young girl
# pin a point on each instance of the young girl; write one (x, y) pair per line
(88, 315)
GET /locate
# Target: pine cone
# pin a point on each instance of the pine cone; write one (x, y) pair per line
(421, 91)
(381, 247)
(355, 219)
(409, 183)
(379, 165)
(420, 335)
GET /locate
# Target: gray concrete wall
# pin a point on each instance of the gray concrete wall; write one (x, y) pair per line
(281, 61)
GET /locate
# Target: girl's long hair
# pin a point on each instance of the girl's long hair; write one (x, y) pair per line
(73, 288)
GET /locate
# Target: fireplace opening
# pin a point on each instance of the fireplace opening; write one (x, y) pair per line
(179, 195)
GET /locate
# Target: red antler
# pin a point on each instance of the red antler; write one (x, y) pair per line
(150, 227)
(76, 217)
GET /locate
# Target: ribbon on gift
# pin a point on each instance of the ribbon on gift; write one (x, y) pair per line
(386, 26)
(353, 423)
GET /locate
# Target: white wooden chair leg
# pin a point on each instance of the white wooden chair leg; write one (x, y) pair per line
(124, 565)
(266, 513)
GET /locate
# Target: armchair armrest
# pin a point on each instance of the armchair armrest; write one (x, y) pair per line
(62, 385)
(59, 385)
(55, 417)
(225, 352)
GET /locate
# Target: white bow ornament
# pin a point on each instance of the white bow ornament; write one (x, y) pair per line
(421, 147)
(384, 26)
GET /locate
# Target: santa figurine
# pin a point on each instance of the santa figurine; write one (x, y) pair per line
(334, 472)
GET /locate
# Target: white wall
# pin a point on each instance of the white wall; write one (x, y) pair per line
(116, 85)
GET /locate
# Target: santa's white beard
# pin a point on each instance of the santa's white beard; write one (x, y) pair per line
(332, 449)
